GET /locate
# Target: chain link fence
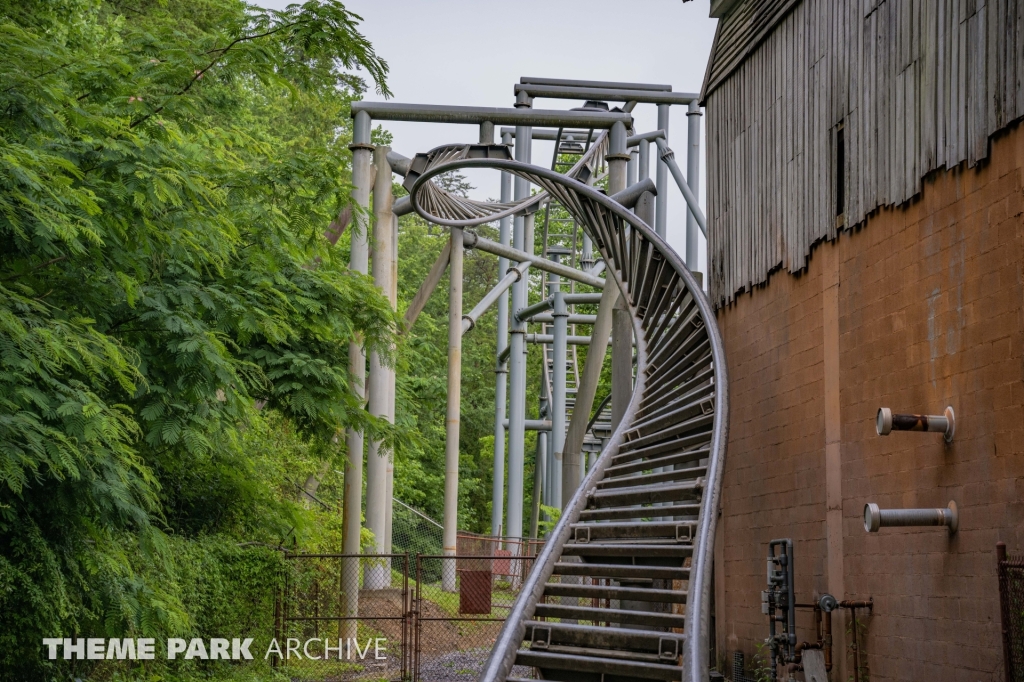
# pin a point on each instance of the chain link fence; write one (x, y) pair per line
(461, 603)
(1011, 602)
(344, 617)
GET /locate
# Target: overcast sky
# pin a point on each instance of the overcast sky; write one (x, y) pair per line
(472, 52)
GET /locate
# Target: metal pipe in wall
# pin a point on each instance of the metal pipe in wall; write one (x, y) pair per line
(887, 422)
(875, 518)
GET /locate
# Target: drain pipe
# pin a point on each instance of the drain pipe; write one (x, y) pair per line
(886, 422)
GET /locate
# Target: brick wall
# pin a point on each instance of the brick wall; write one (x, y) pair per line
(930, 313)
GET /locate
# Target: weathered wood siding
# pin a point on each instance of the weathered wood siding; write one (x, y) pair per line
(915, 84)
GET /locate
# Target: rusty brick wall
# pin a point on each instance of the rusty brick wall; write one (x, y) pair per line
(930, 313)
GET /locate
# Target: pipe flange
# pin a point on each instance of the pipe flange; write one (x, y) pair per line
(362, 145)
(872, 517)
(950, 426)
(954, 521)
(883, 421)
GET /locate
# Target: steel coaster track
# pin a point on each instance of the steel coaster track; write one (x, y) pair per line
(643, 522)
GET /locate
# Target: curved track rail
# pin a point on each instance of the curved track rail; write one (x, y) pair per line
(635, 543)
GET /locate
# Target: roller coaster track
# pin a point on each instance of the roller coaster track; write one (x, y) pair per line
(634, 545)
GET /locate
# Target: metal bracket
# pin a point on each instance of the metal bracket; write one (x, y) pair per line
(581, 535)
(668, 648)
(684, 533)
(543, 640)
(707, 406)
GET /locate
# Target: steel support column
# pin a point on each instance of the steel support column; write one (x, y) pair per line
(376, 574)
(559, 359)
(451, 444)
(501, 369)
(661, 201)
(692, 180)
(517, 356)
(352, 511)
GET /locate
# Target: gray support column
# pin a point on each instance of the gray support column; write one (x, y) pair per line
(588, 387)
(692, 180)
(389, 493)
(540, 462)
(517, 355)
(622, 333)
(661, 201)
(501, 370)
(559, 358)
(633, 168)
(377, 457)
(622, 362)
(451, 444)
(644, 170)
(352, 511)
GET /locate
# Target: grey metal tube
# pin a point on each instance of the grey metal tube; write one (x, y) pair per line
(399, 163)
(875, 518)
(632, 168)
(587, 390)
(523, 244)
(638, 139)
(537, 308)
(475, 241)
(376, 575)
(542, 318)
(352, 512)
(887, 422)
(549, 134)
(501, 369)
(569, 82)
(513, 276)
(692, 180)
(622, 362)
(539, 465)
(435, 113)
(661, 201)
(631, 194)
(533, 424)
(559, 356)
(572, 340)
(660, 97)
(668, 158)
(454, 406)
(645, 160)
(419, 301)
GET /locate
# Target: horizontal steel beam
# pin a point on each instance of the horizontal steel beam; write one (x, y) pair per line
(533, 424)
(573, 319)
(475, 241)
(651, 136)
(436, 113)
(572, 83)
(875, 518)
(548, 134)
(614, 94)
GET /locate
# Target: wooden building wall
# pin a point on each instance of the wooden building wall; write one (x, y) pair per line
(916, 85)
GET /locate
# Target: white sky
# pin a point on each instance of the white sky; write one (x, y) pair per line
(472, 52)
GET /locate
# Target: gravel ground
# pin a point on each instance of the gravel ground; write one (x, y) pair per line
(462, 666)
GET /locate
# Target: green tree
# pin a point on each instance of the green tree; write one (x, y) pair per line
(167, 171)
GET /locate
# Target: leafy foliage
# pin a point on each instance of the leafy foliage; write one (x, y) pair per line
(166, 174)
